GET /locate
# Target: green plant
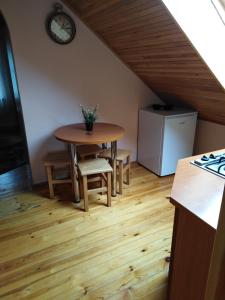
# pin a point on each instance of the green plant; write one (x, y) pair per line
(89, 114)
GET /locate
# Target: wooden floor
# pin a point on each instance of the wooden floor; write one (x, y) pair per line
(56, 251)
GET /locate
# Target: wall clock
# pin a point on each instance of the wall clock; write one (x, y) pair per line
(60, 26)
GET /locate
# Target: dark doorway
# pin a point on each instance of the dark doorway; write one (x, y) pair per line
(13, 145)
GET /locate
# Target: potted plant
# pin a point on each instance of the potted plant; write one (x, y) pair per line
(90, 116)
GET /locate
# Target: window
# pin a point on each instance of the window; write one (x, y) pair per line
(219, 5)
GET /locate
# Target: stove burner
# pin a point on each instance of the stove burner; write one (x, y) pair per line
(204, 158)
(220, 170)
(217, 168)
(213, 163)
(222, 158)
(212, 156)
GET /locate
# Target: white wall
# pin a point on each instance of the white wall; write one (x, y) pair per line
(54, 80)
(203, 26)
(209, 137)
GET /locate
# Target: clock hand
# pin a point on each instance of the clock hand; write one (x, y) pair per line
(66, 27)
(65, 24)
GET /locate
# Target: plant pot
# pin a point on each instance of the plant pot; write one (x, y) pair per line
(89, 126)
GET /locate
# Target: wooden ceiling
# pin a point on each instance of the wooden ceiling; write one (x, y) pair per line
(147, 38)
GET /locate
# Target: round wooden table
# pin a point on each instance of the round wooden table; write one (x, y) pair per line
(102, 133)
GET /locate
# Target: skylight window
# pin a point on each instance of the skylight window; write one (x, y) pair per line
(220, 8)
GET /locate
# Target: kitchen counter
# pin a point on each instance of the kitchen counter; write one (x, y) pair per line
(196, 195)
(198, 191)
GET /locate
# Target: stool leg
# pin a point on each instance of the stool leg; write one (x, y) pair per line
(109, 188)
(121, 177)
(128, 170)
(102, 182)
(85, 190)
(80, 186)
(50, 185)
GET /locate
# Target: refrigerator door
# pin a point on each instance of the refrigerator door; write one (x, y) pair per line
(150, 140)
(178, 140)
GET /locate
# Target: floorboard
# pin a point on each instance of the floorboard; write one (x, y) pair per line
(57, 251)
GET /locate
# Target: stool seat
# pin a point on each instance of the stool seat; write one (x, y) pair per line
(84, 151)
(94, 166)
(122, 154)
(57, 158)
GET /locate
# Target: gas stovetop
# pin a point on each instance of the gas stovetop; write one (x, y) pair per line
(214, 163)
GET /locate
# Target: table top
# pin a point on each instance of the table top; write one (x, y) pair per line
(77, 134)
(198, 191)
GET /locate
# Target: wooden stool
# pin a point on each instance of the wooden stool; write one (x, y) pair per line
(87, 151)
(97, 166)
(53, 161)
(123, 167)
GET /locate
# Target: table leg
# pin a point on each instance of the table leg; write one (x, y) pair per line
(113, 158)
(73, 153)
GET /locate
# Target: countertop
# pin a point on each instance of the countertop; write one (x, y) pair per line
(198, 191)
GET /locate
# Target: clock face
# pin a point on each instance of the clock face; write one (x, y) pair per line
(61, 28)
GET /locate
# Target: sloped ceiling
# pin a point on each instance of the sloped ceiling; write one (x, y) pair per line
(147, 38)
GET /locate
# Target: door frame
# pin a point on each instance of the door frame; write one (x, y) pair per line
(15, 86)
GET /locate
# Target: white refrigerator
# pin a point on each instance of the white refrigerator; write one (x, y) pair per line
(164, 137)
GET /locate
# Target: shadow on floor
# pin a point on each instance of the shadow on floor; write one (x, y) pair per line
(17, 180)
